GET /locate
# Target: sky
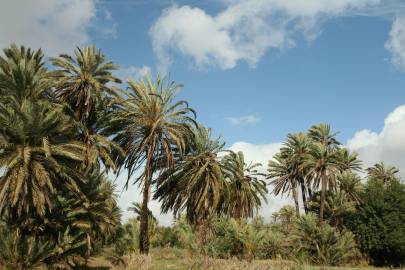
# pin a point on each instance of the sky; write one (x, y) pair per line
(255, 70)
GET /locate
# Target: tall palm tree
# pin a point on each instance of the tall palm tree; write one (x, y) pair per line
(322, 160)
(152, 129)
(281, 173)
(37, 156)
(245, 190)
(348, 161)
(287, 172)
(197, 183)
(383, 173)
(84, 79)
(84, 83)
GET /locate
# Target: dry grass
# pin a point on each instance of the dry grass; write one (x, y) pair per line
(175, 259)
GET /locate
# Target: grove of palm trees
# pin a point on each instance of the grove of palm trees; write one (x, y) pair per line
(69, 127)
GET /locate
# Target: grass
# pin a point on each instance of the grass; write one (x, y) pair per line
(175, 259)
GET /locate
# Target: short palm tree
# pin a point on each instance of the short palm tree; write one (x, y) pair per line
(382, 173)
(197, 183)
(245, 190)
(37, 156)
(350, 183)
(337, 206)
(96, 214)
(152, 128)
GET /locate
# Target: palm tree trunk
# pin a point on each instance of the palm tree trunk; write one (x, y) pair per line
(144, 220)
(323, 192)
(304, 197)
(295, 196)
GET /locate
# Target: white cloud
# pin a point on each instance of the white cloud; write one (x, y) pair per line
(243, 120)
(396, 43)
(244, 30)
(133, 72)
(54, 25)
(388, 145)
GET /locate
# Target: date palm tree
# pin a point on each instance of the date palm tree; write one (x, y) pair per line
(322, 161)
(281, 173)
(245, 190)
(348, 161)
(23, 74)
(287, 171)
(196, 184)
(83, 80)
(84, 83)
(383, 173)
(152, 128)
(350, 183)
(37, 156)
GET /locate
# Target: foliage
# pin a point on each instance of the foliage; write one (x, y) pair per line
(323, 244)
(196, 184)
(379, 223)
(152, 129)
(245, 191)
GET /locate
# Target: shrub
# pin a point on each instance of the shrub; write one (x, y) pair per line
(323, 244)
(379, 223)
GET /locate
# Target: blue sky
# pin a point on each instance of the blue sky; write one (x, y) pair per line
(343, 77)
(254, 70)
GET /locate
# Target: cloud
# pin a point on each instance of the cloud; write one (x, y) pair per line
(54, 25)
(388, 145)
(133, 72)
(243, 30)
(243, 120)
(396, 43)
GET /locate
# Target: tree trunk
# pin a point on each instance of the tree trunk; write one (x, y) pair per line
(144, 220)
(323, 192)
(295, 196)
(304, 197)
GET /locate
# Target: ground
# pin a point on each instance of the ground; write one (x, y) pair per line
(175, 259)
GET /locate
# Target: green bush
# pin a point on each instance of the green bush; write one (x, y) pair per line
(243, 240)
(379, 223)
(324, 244)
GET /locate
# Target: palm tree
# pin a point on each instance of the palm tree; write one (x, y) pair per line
(350, 183)
(287, 171)
(23, 74)
(348, 161)
(337, 206)
(96, 214)
(83, 80)
(196, 184)
(284, 181)
(322, 161)
(152, 129)
(84, 83)
(381, 172)
(245, 190)
(37, 156)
